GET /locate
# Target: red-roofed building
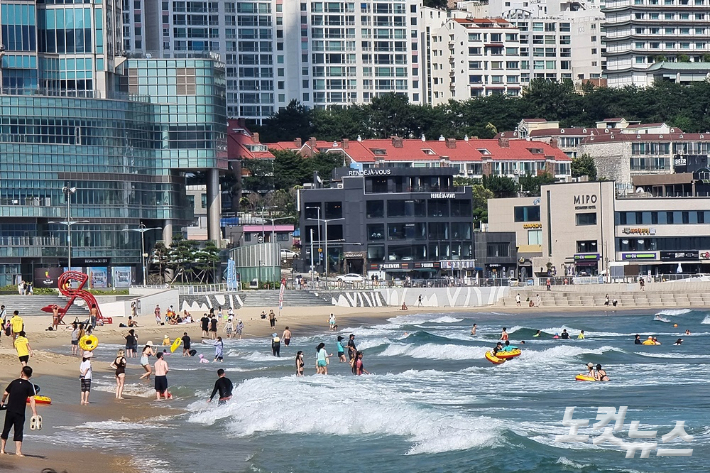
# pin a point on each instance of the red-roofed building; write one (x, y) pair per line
(473, 157)
(243, 144)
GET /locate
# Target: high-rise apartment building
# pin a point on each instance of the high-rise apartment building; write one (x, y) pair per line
(640, 33)
(320, 53)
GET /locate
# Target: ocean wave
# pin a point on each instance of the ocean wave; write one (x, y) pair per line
(413, 319)
(673, 312)
(678, 356)
(563, 353)
(376, 410)
(434, 351)
(658, 318)
(706, 320)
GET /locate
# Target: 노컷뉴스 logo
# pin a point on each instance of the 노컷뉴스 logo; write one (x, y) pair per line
(607, 414)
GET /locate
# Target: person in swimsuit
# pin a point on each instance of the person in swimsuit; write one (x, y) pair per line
(213, 327)
(359, 367)
(145, 362)
(218, 350)
(352, 350)
(497, 348)
(120, 364)
(299, 363)
(341, 349)
(473, 329)
(565, 334)
(601, 374)
(637, 340)
(678, 342)
(224, 386)
(321, 359)
(286, 336)
(504, 335)
(538, 333)
(590, 369)
(161, 377)
(229, 328)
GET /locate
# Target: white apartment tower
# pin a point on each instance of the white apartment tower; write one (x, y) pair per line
(640, 33)
(470, 57)
(321, 53)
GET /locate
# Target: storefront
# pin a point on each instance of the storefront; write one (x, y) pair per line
(586, 264)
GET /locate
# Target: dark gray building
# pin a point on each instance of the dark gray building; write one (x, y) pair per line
(497, 257)
(395, 222)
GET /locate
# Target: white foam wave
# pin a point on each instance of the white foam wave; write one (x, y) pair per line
(567, 462)
(658, 318)
(673, 312)
(678, 356)
(260, 356)
(129, 390)
(435, 352)
(376, 410)
(706, 320)
(562, 353)
(369, 343)
(413, 319)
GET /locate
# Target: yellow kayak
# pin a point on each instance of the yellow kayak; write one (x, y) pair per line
(509, 354)
(494, 359)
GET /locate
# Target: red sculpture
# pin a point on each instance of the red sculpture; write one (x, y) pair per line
(66, 290)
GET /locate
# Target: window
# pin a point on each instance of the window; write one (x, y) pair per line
(587, 246)
(586, 219)
(527, 214)
(376, 232)
(375, 209)
(534, 237)
(333, 210)
(498, 249)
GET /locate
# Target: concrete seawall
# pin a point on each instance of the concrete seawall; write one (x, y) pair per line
(430, 297)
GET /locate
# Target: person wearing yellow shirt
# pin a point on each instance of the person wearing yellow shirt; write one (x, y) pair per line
(24, 350)
(17, 324)
(166, 341)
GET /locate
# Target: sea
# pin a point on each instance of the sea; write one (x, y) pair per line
(432, 402)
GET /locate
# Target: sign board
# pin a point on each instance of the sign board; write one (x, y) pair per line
(86, 262)
(532, 225)
(679, 255)
(354, 254)
(47, 277)
(586, 257)
(638, 256)
(458, 264)
(638, 231)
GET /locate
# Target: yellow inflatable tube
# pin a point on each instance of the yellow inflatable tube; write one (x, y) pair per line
(88, 343)
(584, 377)
(494, 359)
(509, 354)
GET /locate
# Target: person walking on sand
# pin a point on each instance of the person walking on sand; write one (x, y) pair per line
(213, 327)
(24, 350)
(538, 301)
(119, 363)
(161, 377)
(272, 318)
(145, 359)
(157, 314)
(74, 338)
(85, 375)
(331, 321)
(229, 328)
(17, 324)
(517, 299)
(205, 325)
(419, 301)
(94, 313)
(223, 386)
(240, 328)
(18, 391)
(606, 300)
(286, 336)
(219, 350)
(185, 344)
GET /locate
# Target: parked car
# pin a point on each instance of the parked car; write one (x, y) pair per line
(351, 277)
(288, 254)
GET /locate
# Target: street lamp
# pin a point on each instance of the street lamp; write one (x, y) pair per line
(319, 253)
(326, 221)
(273, 228)
(142, 229)
(69, 191)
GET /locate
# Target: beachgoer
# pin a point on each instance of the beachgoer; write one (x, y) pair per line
(359, 367)
(134, 310)
(263, 314)
(205, 325)
(119, 363)
(185, 344)
(581, 335)
(55, 317)
(419, 301)
(17, 324)
(678, 342)
(606, 300)
(85, 375)
(213, 327)
(240, 328)
(157, 314)
(497, 348)
(404, 307)
(299, 363)
(321, 359)
(504, 335)
(601, 374)
(331, 322)
(557, 335)
(341, 349)
(94, 313)
(18, 391)
(223, 386)
(352, 349)
(219, 350)
(219, 313)
(286, 336)
(131, 322)
(564, 335)
(655, 341)
(229, 328)
(473, 329)
(538, 333)
(24, 350)
(166, 341)
(230, 313)
(74, 338)
(161, 377)
(131, 343)
(637, 340)
(614, 302)
(642, 284)
(590, 368)
(145, 361)
(538, 300)
(275, 344)
(272, 318)
(517, 299)
(548, 283)
(687, 332)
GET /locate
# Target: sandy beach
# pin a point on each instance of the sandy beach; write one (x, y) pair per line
(52, 367)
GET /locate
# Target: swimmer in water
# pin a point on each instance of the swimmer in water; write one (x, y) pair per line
(678, 342)
(538, 333)
(687, 332)
(497, 348)
(557, 335)
(504, 335)
(590, 368)
(581, 335)
(601, 374)
(473, 329)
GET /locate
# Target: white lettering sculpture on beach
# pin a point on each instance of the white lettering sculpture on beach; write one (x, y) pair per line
(605, 415)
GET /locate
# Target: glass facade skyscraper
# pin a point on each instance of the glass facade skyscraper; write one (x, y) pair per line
(122, 131)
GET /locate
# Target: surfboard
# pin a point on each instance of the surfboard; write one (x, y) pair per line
(175, 345)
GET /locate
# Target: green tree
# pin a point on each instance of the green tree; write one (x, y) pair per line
(161, 257)
(481, 195)
(436, 3)
(293, 121)
(501, 186)
(584, 166)
(181, 257)
(531, 184)
(261, 174)
(207, 263)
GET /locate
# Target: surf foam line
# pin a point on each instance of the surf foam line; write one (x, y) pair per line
(377, 409)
